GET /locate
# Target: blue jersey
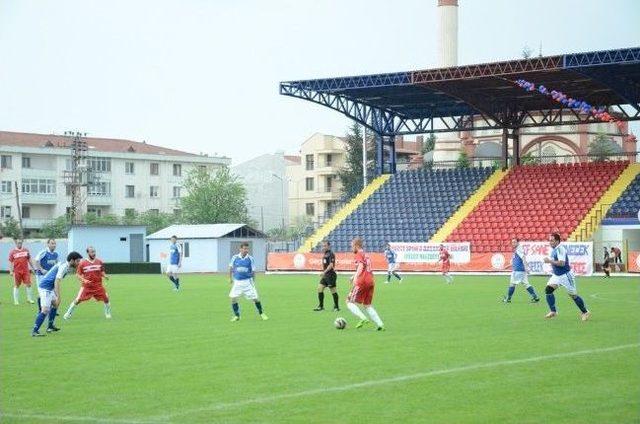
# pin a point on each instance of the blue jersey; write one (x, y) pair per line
(47, 259)
(242, 268)
(517, 261)
(560, 254)
(391, 256)
(57, 271)
(174, 254)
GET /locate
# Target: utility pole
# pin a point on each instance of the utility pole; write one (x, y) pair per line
(76, 177)
(262, 218)
(19, 209)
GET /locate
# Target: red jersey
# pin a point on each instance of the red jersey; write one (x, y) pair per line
(91, 272)
(20, 260)
(444, 256)
(366, 276)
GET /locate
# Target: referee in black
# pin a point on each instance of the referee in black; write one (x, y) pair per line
(328, 277)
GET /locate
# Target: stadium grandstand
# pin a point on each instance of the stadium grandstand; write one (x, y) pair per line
(486, 206)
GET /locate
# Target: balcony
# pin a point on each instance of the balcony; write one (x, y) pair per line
(51, 174)
(31, 223)
(100, 199)
(39, 199)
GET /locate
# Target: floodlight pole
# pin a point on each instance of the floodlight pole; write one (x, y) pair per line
(364, 156)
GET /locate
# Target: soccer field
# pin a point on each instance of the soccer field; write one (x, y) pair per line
(451, 354)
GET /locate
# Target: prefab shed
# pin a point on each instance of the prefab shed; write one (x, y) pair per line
(208, 247)
(113, 243)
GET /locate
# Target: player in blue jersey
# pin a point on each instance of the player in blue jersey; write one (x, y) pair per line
(561, 276)
(175, 262)
(49, 291)
(519, 271)
(43, 262)
(241, 277)
(392, 265)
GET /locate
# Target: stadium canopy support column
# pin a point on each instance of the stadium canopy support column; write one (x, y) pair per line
(505, 148)
(516, 146)
(385, 155)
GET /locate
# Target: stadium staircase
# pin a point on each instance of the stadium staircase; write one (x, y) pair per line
(628, 204)
(468, 206)
(590, 223)
(410, 207)
(323, 231)
(535, 200)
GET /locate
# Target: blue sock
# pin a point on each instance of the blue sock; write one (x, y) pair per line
(39, 320)
(580, 304)
(259, 307)
(551, 300)
(236, 309)
(510, 292)
(388, 277)
(52, 315)
(174, 281)
(532, 292)
(177, 283)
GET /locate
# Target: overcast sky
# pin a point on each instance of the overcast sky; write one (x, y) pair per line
(202, 76)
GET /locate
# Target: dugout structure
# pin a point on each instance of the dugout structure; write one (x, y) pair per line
(452, 99)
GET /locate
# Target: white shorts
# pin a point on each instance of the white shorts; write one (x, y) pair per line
(172, 269)
(568, 281)
(518, 277)
(244, 288)
(47, 297)
(392, 267)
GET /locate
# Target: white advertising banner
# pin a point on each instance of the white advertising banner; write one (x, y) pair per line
(580, 256)
(429, 252)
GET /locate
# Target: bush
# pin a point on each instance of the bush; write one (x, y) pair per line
(132, 268)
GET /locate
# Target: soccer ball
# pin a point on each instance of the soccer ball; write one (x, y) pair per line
(340, 323)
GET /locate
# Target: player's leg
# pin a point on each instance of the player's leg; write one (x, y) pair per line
(251, 293)
(572, 290)
(512, 287)
(79, 298)
(16, 291)
(368, 307)
(46, 297)
(336, 299)
(321, 287)
(530, 289)
(389, 270)
(172, 276)
(395, 273)
(352, 299)
(53, 313)
(107, 305)
(551, 298)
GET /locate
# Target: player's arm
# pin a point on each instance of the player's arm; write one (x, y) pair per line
(10, 263)
(332, 264)
(181, 254)
(231, 271)
(36, 262)
(562, 258)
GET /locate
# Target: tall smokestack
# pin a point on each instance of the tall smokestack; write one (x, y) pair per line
(448, 33)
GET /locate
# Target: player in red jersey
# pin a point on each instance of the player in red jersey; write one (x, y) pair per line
(19, 263)
(90, 273)
(445, 258)
(362, 288)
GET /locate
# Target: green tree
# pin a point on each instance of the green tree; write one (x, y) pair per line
(463, 160)
(58, 228)
(529, 159)
(427, 147)
(10, 228)
(601, 148)
(351, 175)
(93, 219)
(154, 221)
(214, 198)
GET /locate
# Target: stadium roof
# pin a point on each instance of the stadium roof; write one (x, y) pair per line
(205, 231)
(438, 100)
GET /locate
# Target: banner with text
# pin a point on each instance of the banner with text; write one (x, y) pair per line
(580, 256)
(430, 252)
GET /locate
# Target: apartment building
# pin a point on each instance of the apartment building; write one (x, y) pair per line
(125, 176)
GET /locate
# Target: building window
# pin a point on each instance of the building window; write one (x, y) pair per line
(101, 188)
(202, 168)
(309, 183)
(129, 168)
(186, 249)
(310, 209)
(154, 168)
(329, 185)
(153, 191)
(96, 211)
(129, 213)
(38, 186)
(26, 212)
(5, 212)
(308, 159)
(176, 192)
(5, 162)
(26, 162)
(129, 191)
(154, 211)
(177, 170)
(329, 159)
(6, 187)
(99, 164)
(68, 189)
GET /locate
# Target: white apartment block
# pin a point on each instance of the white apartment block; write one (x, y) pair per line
(130, 176)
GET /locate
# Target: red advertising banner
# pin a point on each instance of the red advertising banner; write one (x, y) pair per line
(479, 262)
(633, 261)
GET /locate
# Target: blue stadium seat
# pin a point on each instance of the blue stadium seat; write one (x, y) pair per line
(628, 203)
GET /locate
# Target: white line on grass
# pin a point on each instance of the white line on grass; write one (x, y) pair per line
(383, 381)
(598, 297)
(284, 396)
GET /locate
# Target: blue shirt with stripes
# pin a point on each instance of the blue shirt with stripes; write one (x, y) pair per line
(560, 254)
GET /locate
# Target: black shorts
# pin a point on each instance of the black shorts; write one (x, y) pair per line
(329, 279)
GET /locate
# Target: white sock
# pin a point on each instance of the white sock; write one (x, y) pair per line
(29, 294)
(355, 310)
(374, 315)
(107, 309)
(71, 307)
(15, 294)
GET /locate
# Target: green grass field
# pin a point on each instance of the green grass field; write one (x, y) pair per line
(451, 354)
